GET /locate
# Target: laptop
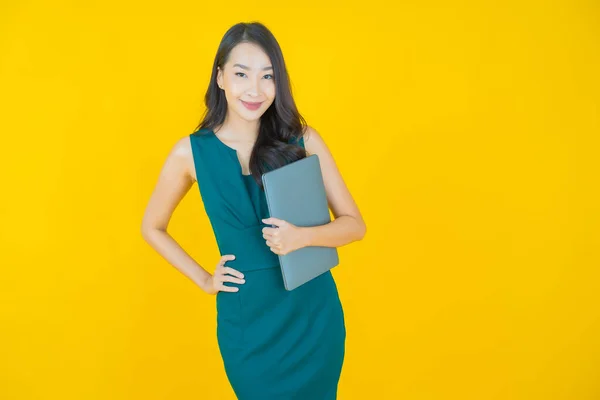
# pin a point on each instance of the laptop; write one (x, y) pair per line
(296, 194)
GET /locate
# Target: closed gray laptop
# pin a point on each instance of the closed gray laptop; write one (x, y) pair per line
(296, 193)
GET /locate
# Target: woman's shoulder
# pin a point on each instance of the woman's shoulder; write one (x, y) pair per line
(183, 146)
(182, 154)
(312, 140)
(308, 132)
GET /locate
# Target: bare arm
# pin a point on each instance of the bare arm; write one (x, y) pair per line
(174, 182)
(348, 225)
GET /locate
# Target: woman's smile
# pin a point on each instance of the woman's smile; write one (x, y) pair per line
(251, 106)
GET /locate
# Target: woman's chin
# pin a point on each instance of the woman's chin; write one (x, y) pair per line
(250, 115)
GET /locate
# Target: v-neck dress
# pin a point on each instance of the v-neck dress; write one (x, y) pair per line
(275, 344)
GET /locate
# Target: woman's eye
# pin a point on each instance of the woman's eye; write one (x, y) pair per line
(241, 73)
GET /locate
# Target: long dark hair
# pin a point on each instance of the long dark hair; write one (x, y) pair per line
(281, 126)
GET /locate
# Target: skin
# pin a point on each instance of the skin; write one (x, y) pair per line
(239, 131)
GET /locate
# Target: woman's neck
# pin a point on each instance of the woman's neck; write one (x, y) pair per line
(237, 130)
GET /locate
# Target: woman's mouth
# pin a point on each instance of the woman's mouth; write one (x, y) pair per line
(251, 106)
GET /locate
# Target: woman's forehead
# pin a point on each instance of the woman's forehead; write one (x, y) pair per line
(250, 56)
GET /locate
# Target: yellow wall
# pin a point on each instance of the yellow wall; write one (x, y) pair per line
(466, 132)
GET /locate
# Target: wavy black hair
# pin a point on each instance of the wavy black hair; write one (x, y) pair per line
(281, 126)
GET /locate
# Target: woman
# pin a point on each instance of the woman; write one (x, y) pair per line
(275, 344)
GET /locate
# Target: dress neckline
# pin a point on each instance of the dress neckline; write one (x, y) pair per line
(231, 149)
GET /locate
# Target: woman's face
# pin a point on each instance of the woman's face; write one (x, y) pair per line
(247, 79)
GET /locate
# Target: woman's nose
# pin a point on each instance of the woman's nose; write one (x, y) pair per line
(254, 88)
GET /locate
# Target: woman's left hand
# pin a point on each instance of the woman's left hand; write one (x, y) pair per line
(284, 239)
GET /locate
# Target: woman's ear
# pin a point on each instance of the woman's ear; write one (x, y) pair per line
(219, 78)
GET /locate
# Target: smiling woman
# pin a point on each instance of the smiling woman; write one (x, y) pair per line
(275, 343)
(237, 84)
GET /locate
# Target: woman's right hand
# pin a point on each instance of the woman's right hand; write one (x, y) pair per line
(214, 283)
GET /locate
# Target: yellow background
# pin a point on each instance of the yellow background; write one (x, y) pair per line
(467, 133)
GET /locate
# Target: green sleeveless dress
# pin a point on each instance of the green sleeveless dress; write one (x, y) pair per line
(275, 344)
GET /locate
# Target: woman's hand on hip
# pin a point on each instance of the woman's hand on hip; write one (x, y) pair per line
(222, 274)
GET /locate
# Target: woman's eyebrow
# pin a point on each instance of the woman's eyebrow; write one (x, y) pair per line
(245, 67)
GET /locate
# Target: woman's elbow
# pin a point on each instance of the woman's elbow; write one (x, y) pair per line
(362, 230)
(147, 230)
